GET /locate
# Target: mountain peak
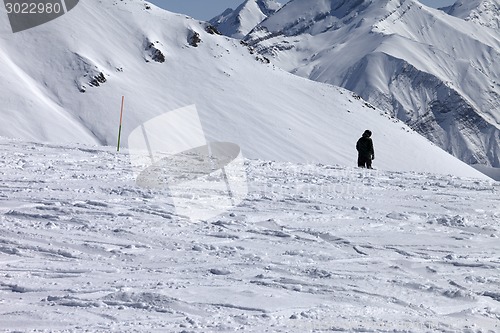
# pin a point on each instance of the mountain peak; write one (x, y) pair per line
(239, 22)
(268, 7)
(317, 16)
(483, 12)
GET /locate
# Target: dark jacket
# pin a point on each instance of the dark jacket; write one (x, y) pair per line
(365, 147)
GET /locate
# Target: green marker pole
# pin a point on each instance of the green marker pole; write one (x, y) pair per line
(120, 128)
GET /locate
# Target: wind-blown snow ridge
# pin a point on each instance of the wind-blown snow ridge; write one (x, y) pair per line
(313, 247)
(437, 73)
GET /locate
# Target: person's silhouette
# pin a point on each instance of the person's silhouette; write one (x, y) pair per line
(366, 153)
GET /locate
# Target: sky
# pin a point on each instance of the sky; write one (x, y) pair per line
(207, 9)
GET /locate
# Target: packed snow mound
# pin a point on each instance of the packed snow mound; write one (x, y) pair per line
(493, 173)
(437, 73)
(313, 248)
(161, 62)
(484, 12)
(238, 23)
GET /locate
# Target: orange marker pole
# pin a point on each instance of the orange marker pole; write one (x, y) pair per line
(120, 128)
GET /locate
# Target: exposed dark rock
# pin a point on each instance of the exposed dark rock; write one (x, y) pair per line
(155, 53)
(194, 39)
(263, 59)
(212, 30)
(97, 80)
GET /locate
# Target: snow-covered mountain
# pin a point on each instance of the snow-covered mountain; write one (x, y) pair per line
(438, 73)
(484, 12)
(63, 82)
(238, 23)
(311, 247)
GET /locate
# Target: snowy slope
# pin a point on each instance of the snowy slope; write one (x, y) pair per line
(484, 12)
(238, 23)
(314, 248)
(71, 91)
(435, 72)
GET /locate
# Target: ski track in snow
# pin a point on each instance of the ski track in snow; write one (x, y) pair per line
(313, 248)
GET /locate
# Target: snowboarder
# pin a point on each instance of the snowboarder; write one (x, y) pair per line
(366, 153)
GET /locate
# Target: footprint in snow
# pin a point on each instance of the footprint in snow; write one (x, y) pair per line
(217, 271)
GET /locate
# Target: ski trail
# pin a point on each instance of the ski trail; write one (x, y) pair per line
(81, 243)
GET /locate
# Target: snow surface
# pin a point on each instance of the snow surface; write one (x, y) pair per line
(493, 173)
(53, 94)
(436, 72)
(313, 248)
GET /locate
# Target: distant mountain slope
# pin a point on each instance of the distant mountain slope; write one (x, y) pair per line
(238, 23)
(435, 72)
(484, 12)
(64, 81)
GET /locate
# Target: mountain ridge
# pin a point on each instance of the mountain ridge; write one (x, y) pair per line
(389, 52)
(238, 23)
(483, 12)
(162, 62)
